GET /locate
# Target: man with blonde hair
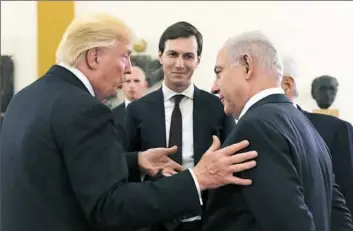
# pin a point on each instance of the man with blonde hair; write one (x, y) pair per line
(62, 167)
(293, 182)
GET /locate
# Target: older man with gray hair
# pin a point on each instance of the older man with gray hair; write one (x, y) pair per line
(293, 183)
(337, 133)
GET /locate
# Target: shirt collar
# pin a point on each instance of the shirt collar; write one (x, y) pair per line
(80, 76)
(127, 102)
(168, 93)
(257, 97)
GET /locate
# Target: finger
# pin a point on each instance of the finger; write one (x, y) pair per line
(215, 144)
(238, 181)
(174, 165)
(153, 172)
(232, 149)
(169, 172)
(242, 157)
(242, 167)
(166, 174)
(172, 172)
(171, 150)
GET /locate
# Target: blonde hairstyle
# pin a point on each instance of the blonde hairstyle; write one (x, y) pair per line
(91, 31)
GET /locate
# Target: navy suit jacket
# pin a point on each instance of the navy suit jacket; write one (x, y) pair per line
(338, 136)
(62, 167)
(119, 113)
(293, 183)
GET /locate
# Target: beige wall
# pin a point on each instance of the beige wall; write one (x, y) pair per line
(318, 34)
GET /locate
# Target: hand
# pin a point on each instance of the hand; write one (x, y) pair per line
(217, 166)
(168, 172)
(155, 159)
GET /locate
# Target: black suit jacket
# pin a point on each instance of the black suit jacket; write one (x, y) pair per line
(145, 123)
(62, 167)
(338, 136)
(119, 113)
(293, 182)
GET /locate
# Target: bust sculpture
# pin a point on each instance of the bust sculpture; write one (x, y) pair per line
(324, 90)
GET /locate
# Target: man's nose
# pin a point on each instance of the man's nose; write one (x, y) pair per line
(215, 88)
(179, 62)
(128, 67)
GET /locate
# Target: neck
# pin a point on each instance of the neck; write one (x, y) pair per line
(89, 75)
(266, 83)
(176, 88)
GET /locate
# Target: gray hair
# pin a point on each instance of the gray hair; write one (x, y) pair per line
(255, 44)
(290, 69)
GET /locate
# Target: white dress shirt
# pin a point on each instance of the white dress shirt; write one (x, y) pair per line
(257, 97)
(186, 107)
(127, 102)
(80, 76)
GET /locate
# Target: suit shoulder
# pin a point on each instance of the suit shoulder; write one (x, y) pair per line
(210, 98)
(326, 119)
(143, 100)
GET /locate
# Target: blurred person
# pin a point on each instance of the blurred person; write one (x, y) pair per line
(178, 113)
(134, 87)
(293, 182)
(337, 133)
(62, 167)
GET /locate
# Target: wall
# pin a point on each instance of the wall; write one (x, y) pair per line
(318, 34)
(19, 39)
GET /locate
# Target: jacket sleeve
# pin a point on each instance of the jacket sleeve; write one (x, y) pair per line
(98, 171)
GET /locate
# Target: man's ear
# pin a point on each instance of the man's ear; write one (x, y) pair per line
(92, 58)
(160, 57)
(198, 60)
(248, 63)
(285, 84)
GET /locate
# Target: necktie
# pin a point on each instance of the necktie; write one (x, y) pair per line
(176, 131)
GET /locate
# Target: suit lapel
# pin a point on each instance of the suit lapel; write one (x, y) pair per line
(198, 124)
(158, 117)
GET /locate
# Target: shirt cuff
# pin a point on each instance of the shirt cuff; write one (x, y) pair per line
(197, 185)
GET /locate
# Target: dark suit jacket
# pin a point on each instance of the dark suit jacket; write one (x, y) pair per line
(338, 136)
(145, 122)
(62, 167)
(293, 182)
(119, 113)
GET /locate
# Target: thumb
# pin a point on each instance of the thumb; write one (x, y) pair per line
(171, 150)
(215, 144)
